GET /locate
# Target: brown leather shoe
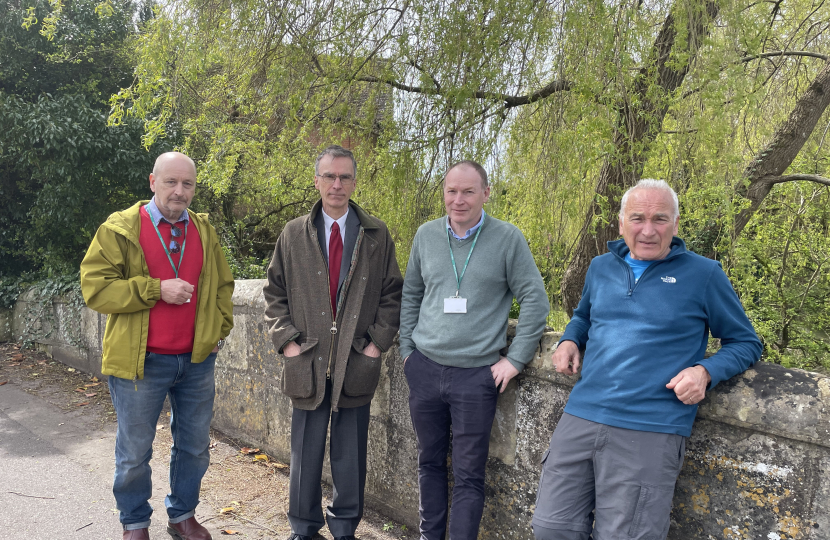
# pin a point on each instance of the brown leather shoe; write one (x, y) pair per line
(136, 534)
(188, 529)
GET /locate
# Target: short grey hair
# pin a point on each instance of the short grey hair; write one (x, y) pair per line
(335, 151)
(650, 183)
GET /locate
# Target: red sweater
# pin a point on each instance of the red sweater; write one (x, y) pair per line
(172, 327)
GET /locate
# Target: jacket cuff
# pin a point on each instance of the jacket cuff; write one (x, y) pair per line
(292, 338)
(377, 344)
(155, 289)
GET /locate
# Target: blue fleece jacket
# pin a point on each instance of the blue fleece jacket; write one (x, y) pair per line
(638, 336)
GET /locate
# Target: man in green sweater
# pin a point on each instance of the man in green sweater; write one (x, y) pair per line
(464, 271)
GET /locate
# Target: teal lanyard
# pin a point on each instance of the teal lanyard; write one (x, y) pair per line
(167, 251)
(454, 269)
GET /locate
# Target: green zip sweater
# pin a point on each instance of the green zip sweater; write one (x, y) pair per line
(500, 268)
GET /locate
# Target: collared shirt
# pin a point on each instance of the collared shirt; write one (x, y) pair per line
(329, 221)
(157, 216)
(470, 231)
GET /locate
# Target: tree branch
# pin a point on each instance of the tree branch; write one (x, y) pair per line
(509, 101)
(772, 180)
(417, 66)
(773, 54)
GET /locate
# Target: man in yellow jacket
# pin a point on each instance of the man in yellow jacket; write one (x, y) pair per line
(160, 275)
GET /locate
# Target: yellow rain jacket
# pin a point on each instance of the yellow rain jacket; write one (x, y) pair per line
(115, 281)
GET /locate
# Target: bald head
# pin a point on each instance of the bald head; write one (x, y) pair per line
(173, 157)
(173, 181)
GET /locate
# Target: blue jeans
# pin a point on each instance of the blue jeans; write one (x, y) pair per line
(138, 405)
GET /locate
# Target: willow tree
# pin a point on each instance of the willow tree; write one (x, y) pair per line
(567, 103)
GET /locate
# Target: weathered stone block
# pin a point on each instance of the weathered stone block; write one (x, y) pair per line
(738, 483)
(5, 324)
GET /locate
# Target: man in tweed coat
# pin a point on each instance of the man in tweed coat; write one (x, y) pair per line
(333, 305)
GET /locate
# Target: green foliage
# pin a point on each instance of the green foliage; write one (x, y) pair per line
(10, 289)
(244, 267)
(62, 170)
(259, 88)
(86, 54)
(781, 273)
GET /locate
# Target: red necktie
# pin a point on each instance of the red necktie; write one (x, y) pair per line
(335, 256)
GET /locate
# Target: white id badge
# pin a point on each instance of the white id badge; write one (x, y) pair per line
(455, 304)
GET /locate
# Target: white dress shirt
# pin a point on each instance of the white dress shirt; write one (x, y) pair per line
(341, 222)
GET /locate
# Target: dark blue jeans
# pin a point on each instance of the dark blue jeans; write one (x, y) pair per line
(138, 405)
(441, 397)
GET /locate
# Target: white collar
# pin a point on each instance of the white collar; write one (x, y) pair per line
(329, 221)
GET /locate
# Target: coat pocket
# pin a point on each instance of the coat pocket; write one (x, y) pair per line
(298, 372)
(362, 374)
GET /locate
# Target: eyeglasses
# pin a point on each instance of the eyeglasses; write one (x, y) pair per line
(177, 233)
(345, 179)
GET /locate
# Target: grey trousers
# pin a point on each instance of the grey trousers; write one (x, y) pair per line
(347, 453)
(617, 483)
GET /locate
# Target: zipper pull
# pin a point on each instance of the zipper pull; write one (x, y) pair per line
(629, 292)
(135, 382)
(333, 327)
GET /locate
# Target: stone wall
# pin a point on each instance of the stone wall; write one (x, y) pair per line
(69, 335)
(757, 464)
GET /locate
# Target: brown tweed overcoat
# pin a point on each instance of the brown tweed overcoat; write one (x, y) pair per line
(298, 308)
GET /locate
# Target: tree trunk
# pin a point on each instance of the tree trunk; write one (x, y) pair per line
(640, 120)
(778, 155)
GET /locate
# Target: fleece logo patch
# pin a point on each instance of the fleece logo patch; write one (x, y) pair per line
(668, 279)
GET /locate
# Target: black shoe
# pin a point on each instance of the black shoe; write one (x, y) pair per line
(295, 536)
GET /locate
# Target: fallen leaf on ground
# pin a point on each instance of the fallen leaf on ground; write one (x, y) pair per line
(91, 384)
(70, 369)
(80, 390)
(2, 383)
(91, 395)
(94, 379)
(35, 374)
(84, 403)
(17, 357)
(228, 531)
(227, 510)
(261, 457)
(278, 465)
(246, 450)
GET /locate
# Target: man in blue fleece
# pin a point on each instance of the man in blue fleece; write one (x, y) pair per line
(644, 320)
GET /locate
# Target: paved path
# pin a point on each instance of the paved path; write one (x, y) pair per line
(56, 472)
